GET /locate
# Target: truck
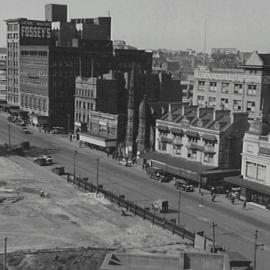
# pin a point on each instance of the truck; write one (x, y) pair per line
(160, 205)
(158, 174)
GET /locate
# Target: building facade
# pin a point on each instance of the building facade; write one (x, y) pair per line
(245, 89)
(255, 170)
(3, 73)
(199, 144)
(104, 131)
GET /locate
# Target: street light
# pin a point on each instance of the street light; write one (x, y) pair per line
(256, 245)
(74, 165)
(97, 178)
(179, 202)
(9, 137)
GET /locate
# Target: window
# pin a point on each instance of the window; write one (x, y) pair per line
(225, 103)
(208, 158)
(192, 154)
(251, 170)
(252, 89)
(251, 106)
(201, 85)
(261, 172)
(200, 100)
(177, 149)
(238, 88)
(213, 86)
(237, 105)
(212, 101)
(162, 146)
(225, 87)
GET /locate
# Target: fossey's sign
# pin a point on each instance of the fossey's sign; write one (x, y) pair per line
(35, 33)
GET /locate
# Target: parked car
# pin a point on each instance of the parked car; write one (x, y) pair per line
(183, 185)
(161, 205)
(43, 160)
(26, 131)
(125, 162)
(57, 130)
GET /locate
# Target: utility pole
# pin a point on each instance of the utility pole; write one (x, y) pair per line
(74, 165)
(68, 126)
(256, 245)
(214, 236)
(179, 202)
(5, 254)
(97, 174)
(9, 137)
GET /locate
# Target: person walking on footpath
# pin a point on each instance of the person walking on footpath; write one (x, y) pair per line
(245, 204)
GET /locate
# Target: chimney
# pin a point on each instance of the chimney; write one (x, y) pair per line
(170, 112)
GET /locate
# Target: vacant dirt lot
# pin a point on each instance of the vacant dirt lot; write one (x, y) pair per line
(69, 217)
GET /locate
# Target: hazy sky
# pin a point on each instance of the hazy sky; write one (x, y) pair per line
(171, 24)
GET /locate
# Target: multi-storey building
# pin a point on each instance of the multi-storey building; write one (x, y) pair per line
(255, 170)
(190, 141)
(3, 73)
(104, 94)
(245, 89)
(103, 130)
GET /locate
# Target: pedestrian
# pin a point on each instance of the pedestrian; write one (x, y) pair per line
(213, 197)
(227, 193)
(245, 204)
(70, 137)
(233, 199)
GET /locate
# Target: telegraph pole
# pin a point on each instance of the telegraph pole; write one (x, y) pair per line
(97, 178)
(5, 254)
(179, 204)
(74, 165)
(68, 123)
(214, 236)
(256, 245)
(9, 137)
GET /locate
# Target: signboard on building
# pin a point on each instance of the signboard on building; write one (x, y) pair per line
(35, 32)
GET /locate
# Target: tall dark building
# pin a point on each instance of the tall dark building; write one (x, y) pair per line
(55, 13)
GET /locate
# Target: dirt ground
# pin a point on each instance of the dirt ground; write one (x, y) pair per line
(69, 217)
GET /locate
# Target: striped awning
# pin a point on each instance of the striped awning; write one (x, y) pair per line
(193, 134)
(163, 128)
(177, 131)
(209, 137)
(166, 140)
(195, 147)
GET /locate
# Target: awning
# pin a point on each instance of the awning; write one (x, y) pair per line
(178, 166)
(163, 128)
(166, 140)
(176, 143)
(209, 137)
(193, 146)
(96, 140)
(193, 134)
(177, 131)
(209, 151)
(252, 185)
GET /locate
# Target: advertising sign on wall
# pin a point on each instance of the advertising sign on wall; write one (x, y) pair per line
(35, 32)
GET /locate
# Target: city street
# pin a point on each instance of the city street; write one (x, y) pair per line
(235, 227)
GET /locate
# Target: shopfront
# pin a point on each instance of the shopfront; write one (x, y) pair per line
(251, 190)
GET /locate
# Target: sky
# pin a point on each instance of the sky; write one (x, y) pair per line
(170, 24)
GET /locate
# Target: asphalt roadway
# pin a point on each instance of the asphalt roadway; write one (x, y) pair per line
(235, 227)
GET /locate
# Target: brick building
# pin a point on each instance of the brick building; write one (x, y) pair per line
(199, 144)
(244, 89)
(3, 73)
